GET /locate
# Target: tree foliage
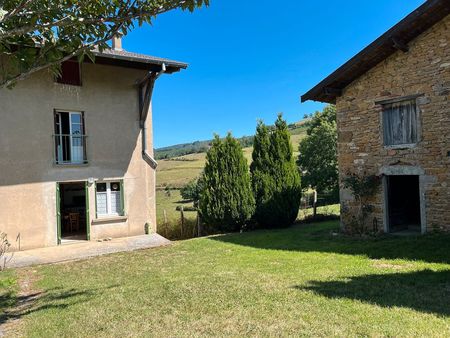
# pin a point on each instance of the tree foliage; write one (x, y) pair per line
(328, 114)
(40, 34)
(275, 176)
(226, 201)
(318, 154)
(192, 190)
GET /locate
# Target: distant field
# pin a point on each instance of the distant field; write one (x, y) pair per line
(177, 172)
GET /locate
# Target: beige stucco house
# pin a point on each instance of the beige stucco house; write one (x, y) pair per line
(76, 152)
(393, 118)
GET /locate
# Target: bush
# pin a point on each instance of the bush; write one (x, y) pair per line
(363, 188)
(275, 176)
(5, 246)
(190, 191)
(226, 201)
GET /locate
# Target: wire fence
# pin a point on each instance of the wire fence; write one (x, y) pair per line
(313, 199)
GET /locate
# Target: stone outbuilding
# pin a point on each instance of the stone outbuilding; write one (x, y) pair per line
(393, 119)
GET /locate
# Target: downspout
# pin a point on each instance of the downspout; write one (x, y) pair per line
(150, 82)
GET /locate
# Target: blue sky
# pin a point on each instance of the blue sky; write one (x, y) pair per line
(250, 59)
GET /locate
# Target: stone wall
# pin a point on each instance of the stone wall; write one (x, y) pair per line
(425, 70)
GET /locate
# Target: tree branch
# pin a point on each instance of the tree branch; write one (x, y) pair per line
(36, 67)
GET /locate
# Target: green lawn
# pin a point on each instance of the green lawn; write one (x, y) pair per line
(302, 281)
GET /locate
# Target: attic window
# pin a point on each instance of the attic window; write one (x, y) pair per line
(400, 123)
(70, 73)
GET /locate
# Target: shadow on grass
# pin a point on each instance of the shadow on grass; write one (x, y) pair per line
(323, 237)
(15, 307)
(426, 291)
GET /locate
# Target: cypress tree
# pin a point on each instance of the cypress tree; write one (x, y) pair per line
(226, 201)
(275, 176)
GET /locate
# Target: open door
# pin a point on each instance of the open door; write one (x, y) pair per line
(73, 212)
(404, 203)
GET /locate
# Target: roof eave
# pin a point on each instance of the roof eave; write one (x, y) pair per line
(139, 63)
(427, 15)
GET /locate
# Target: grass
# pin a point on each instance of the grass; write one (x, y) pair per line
(170, 225)
(169, 204)
(301, 281)
(326, 210)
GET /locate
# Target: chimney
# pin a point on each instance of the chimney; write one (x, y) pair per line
(117, 42)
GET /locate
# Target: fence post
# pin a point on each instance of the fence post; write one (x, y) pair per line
(182, 221)
(165, 216)
(315, 204)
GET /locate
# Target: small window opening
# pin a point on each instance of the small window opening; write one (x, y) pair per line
(70, 73)
(109, 199)
(400, 125)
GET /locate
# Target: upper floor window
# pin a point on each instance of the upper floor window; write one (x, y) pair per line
(70, 138)
(70, 73)
(400, 123)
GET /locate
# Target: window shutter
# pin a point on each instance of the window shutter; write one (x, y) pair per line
(96, 213)
(400, 123)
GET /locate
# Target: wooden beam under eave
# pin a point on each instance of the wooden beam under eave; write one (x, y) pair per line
(400, 45)
(332, 91)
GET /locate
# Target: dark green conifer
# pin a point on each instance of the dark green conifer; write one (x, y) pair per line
(275, 176)
(226, 201)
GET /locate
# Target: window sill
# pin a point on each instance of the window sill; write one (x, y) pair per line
(401, 146)
(109, 219)
(70, 165)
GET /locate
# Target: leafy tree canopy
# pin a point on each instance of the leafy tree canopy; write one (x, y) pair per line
(318, 153)
(40, 34)
(328, 114)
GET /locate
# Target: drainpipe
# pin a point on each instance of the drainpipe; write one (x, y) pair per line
(147, 157)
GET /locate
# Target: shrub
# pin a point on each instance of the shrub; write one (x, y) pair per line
(192, 191)
(363, 188)
(5, 246)
(226, 201)
(275, 176)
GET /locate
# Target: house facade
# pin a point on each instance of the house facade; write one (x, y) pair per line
(393, 118)
(76, 152)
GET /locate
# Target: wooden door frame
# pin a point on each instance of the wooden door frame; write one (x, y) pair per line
(422, 200)
(58, 210)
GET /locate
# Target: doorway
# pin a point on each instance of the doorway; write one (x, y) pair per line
(73, 211)
(403, 193)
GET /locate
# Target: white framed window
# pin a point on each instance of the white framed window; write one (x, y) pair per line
(109, 198)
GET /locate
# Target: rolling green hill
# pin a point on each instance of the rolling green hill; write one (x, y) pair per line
(175, 172)
(199, 147)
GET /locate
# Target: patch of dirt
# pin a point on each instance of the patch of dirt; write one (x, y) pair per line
(10, 322)
(386, 265)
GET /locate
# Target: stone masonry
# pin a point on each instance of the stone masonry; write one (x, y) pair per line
(424, 70)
